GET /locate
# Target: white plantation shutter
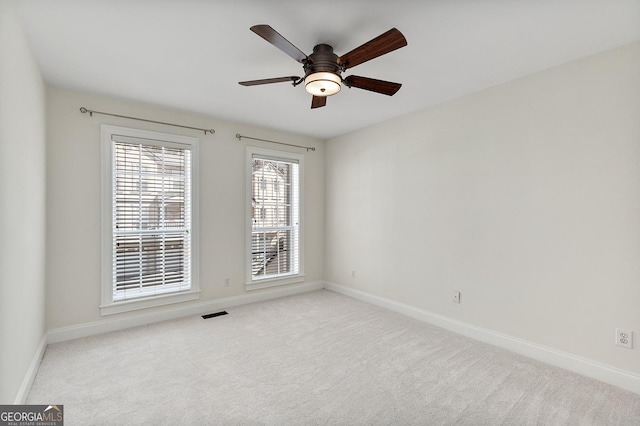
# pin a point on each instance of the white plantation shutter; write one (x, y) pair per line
(275, 216)
(151, 217)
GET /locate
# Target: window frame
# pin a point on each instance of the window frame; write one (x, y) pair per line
(250, 282)
(108, 305)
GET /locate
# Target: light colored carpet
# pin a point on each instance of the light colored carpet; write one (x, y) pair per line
(316, 358)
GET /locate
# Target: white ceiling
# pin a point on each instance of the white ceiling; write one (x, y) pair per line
(190, 54)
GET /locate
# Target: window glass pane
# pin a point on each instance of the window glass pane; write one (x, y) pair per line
(151, 233)
(274, 236)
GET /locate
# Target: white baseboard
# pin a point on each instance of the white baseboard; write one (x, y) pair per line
(113, 324)
(30, 376)
(604, 373)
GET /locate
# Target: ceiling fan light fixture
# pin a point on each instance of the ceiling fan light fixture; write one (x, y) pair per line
(322, 83)
(323, 68)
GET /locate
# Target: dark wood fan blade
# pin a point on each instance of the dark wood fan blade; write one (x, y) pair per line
(273, 37)
(269, 81)
(318, 101)
(383, 44)
(373, 85)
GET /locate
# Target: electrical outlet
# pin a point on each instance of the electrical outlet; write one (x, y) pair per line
(353, 273)
(456, 296)
(227, 282)
(624, 338)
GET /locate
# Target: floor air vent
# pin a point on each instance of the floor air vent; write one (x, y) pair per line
(217, 314)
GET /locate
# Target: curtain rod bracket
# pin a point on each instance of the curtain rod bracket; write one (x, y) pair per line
(308, 148)
(91, 112)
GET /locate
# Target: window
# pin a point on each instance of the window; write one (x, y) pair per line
(274, 218)
(150, 230)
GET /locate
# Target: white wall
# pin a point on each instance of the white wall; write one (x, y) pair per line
(22, 206)
(73, 209)
(525, 197)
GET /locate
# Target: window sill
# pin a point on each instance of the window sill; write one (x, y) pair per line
(273, 282)
(148, 302)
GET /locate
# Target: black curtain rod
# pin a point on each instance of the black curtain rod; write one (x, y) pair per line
(308, 148)
(91, 112)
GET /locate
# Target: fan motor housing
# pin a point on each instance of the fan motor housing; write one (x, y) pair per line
(322, 59)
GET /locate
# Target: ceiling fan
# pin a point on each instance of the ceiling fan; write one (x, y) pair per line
(323, 68)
